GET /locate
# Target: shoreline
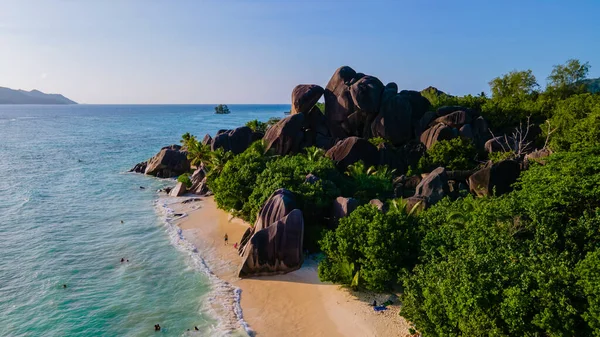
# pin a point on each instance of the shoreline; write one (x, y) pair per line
(296, 303)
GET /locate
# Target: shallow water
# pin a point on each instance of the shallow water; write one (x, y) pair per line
(63, 194)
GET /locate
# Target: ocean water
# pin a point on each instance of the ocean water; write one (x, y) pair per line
(63, 193)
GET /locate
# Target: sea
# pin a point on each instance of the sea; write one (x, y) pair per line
(70, 211)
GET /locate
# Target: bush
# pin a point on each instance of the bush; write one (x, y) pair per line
(185, 179)
(455, 154)
(370, 249)
(577, 123)
(262, 127)
(512, 266)
(368, 183)
(290, 172)
(238, 177)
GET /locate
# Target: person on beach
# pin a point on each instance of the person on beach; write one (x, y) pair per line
(235, 245)
(226, 239)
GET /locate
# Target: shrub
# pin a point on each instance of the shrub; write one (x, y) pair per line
(455, 154)
(237, 180)
(262, 127)
(290, 172)
(368, 183)
(377, 141)
(511, 266)
(370, 248)
(185, 179)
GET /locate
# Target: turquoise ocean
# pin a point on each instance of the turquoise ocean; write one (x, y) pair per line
(64, 189)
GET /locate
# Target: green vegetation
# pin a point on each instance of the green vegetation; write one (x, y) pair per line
(455, 154)
(185, 179)
(222, 109)
(258, 126)
(371, 248)
(526, 263)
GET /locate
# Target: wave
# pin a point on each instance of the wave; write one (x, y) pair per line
(224, 301)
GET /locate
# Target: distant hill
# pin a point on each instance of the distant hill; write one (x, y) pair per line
(593, 85)
(12, 96)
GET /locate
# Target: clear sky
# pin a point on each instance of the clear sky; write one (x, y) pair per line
(119, 51)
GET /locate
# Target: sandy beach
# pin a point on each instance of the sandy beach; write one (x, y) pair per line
(294, 304)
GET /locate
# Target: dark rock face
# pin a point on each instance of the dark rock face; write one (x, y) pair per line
(394, 121)
(207, 140)
(366, 94)
(434, 187)
(276, 249)
(446, 110)
(286, 136)
(198, 179)
(342, 207)
(466, 131)
(304, 97)
(279, 204)
(419, 104)
(236, 140)
(436, 133)
(171, 161)
(455, 119)
(178, 190)
(424, 123)
(495, 177)
(311, 178)
(140, 167)
(338, 100)
(392, 158)
(353, 149)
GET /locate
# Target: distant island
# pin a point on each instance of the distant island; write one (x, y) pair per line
(222, 109)
(12, 96)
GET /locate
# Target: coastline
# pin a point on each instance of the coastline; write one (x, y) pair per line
(296, 303)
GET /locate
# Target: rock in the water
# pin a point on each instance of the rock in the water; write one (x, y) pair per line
(140, 167)
(352, 150)
(304, 97)
(286, 136)
(366, 94)
(434, 187)
(495, 178)
(179, 190)
(171, 161)
(436, 133)
(276, 249)
(236, 140)
(342, 207)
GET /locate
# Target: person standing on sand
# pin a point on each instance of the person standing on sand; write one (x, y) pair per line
(226, 239)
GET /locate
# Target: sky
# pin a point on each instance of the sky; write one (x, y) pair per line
(254, 51)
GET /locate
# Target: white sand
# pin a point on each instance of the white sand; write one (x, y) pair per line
(294, 304)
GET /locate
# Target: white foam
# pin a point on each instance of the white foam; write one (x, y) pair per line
(224, 299)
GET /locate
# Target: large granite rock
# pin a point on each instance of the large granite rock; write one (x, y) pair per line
(286, 136)
(394, 121)
(342, 207)
(436, 133)
(179, 190)
(352, 150)
(207, 140)
(304, 97)
(236, 140)
(495, 179)
(199, 185)
(169, 162)
(338, 100)
(419, 105)
(279, 204)
(455, 119)
(276, 249)
(434, 187)
(366, 94)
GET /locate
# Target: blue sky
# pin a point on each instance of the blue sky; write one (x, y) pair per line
(154, 52)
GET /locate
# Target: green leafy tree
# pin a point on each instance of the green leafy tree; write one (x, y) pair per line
(455, 154)
(370, 248)
(514, 85)
(567, 79)
(368, 183)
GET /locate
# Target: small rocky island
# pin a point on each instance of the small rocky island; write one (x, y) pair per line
(222, 109)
